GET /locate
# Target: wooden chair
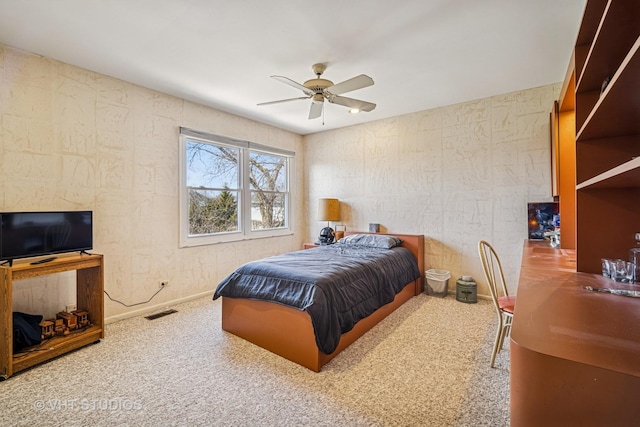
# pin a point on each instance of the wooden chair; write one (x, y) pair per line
(503, 303)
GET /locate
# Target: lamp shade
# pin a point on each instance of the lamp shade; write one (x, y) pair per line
(328, 210)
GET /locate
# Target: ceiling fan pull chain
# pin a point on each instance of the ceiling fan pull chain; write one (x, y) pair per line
(323, 115)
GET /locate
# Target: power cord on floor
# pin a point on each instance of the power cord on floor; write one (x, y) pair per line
(138, 303)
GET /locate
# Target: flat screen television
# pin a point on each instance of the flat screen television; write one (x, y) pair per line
(32, 234)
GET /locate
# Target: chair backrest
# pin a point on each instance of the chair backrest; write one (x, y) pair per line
(492, 271)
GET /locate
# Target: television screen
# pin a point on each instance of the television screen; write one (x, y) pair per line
(29, 234)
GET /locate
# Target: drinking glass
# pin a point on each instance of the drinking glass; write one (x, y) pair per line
(630, 269)
(606, 267)
(619, 270)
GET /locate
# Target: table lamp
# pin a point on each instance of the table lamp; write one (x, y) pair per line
(328, 210)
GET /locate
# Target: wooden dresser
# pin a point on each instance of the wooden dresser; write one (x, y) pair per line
(575, 354)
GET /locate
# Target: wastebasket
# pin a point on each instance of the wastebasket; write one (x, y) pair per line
(466, 290)
(437, 282)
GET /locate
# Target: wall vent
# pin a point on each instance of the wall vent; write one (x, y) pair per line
(161, 314)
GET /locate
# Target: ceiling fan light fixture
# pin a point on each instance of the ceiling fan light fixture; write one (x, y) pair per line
(319, 89)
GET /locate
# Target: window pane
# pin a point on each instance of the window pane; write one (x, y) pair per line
(232, 190)
(212, 211)
(212, 166)
(268, 172)
(267, 210)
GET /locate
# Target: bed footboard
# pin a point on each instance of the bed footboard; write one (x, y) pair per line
(289, 332)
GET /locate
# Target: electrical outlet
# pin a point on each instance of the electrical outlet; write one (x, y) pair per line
(70, 307)
(164, 283)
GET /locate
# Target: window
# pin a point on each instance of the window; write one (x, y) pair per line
(232, 190)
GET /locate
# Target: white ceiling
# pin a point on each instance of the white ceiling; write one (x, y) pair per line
(421, 54)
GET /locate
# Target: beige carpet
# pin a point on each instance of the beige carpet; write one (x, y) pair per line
(426, 364)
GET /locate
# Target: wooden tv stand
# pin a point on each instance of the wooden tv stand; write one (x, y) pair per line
(89, 296)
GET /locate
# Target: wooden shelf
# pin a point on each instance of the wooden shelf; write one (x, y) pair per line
(616, 33)
(615, 113)
(26, 270)
(55, 347)
(626, 175)
(590, 24)
(89, 296)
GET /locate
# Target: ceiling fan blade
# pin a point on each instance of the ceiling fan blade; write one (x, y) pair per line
(283, 100)
(316, 110)
(290, 82)
(352, 103)
(354, 83)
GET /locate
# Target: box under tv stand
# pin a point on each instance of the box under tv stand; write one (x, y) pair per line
(89, 296)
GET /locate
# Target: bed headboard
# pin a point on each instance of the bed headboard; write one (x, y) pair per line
(413, 242)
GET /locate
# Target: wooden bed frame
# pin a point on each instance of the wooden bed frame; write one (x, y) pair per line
(289, 332)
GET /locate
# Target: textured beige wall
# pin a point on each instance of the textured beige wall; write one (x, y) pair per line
(456, 174)
(73, 139)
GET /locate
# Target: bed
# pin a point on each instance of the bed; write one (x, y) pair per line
(309, 305)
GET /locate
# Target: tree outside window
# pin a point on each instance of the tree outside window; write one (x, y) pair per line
(216, 176)
(213, 185)
(268, 186)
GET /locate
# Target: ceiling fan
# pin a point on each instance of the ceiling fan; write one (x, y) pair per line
(320, 89)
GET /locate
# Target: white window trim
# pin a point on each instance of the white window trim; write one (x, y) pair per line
(245, 232)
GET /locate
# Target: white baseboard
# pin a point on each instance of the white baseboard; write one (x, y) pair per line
(157, 307)
(453, 292)
(165, 305)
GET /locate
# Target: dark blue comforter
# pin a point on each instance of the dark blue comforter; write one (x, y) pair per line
(336, 284)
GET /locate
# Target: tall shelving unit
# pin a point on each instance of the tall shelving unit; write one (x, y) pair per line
(607, 101)
(562, 331)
